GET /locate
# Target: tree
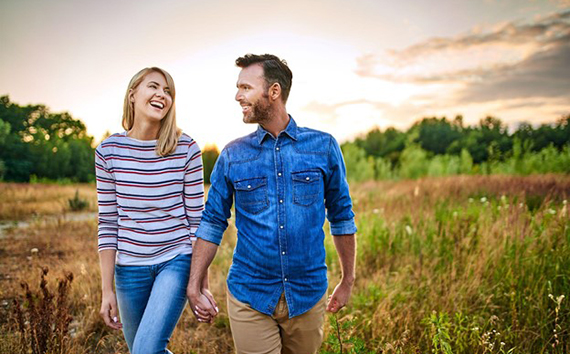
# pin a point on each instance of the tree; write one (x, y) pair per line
(210, 155)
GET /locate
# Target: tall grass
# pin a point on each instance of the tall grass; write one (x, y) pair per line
(468, 264)
(21, 201)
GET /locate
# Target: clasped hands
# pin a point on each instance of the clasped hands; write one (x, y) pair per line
(202, 304)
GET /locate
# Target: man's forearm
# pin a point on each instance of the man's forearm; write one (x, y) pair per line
(202, 255)
(346, 248)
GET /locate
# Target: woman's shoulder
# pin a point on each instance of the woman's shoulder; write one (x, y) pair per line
(112, 140)
(186, 140)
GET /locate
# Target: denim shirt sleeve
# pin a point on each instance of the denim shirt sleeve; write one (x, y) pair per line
(220, 198)
(337, 197)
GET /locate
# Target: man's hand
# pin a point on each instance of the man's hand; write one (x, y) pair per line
(109, 310)
(202, 304)
(339, 297)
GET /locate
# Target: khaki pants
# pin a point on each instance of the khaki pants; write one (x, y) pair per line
(257, 333)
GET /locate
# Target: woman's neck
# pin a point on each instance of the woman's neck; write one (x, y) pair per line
(144, 130)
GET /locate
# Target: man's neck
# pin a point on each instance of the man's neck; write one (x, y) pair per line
(278, 122)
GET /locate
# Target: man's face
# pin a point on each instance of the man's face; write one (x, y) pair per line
(252, 95)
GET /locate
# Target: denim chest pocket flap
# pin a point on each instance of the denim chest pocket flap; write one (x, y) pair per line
(307, 187)
(251, 194)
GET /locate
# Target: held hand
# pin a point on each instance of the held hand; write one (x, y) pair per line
(211, 299)
(202, 307)
(339, 297)
(109, 311)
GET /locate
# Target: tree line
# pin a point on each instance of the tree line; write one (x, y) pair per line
(38, 145)
(438, 147)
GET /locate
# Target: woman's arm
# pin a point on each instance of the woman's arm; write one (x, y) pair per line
(109, 310)
(107, 243)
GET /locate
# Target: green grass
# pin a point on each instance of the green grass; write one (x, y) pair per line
(465, 264)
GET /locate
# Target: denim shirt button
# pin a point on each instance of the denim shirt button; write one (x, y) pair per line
(280, 200)
(277, 149)
(285, 279)
(279, 174)
(283, 253)
(281, 226)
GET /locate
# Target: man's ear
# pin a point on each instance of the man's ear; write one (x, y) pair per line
(275, 91)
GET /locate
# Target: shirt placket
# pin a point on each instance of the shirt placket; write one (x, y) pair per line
(281, 218)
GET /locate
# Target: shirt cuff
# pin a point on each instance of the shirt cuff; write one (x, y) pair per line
(343, 227)
(210, 232)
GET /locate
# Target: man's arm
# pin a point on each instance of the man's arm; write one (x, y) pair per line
(209, 235)
(203, 307)
(346, 249)
(343, 228)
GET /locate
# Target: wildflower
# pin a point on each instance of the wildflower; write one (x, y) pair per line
(470, 200)
(34, 250)
(551, 211)
(375, 211)
(409, 230)
(502, 344)
(483, 199)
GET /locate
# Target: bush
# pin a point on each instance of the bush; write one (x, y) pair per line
(78, 204)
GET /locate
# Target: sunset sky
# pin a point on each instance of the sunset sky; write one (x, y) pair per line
(356, 64)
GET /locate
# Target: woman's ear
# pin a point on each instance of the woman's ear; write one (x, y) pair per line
(131, 95)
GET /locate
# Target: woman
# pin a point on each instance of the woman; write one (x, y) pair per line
(151, 196)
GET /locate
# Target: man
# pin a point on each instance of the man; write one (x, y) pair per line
(283, 178)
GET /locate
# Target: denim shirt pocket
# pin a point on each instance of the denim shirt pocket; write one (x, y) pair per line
(307, 187)
(251, 194)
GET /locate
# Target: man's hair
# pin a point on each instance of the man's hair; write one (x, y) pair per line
(275, 70)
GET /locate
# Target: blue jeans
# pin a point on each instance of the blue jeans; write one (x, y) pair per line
(151, 300)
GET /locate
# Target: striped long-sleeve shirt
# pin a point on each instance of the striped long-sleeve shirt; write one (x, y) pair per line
(149, 206)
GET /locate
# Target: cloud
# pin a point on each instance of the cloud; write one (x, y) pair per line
(545, 74)
(514, 60)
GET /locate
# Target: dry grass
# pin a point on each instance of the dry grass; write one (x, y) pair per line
(485, 248)
(21, 201)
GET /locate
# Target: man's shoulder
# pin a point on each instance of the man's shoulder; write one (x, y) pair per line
(309, 133)
(242, 148)
(314, 141)
(241, 142)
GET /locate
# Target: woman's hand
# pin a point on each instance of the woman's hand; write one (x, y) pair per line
(203, 305)
(109, 310)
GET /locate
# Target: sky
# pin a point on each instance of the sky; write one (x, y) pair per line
(356, 64)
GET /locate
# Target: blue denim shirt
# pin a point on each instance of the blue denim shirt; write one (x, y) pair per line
(281, 188)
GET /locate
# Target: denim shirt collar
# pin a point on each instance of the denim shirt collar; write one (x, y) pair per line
(290, 130)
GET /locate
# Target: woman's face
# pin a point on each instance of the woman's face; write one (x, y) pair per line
(151, 99)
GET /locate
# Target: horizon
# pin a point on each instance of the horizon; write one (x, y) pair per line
(373, 64)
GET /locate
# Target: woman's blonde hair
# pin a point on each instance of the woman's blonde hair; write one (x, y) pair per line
(168, 133)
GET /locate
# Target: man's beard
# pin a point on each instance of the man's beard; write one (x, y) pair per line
(260, 112)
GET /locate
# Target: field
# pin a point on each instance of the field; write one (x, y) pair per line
(464, 264)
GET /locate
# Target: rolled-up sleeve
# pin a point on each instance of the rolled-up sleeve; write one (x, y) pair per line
(218, 206)
(337, 195)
